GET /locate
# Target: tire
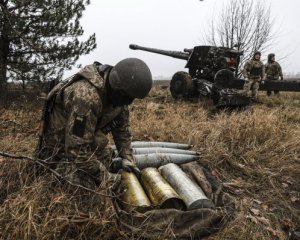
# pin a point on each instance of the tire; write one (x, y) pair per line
(224, 78)
(181, 85)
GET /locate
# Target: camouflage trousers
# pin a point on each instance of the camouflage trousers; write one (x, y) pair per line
(251, 87)
(89, 173)
(269, 93)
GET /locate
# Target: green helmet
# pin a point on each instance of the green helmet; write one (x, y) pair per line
(132, 77)
(270, 57)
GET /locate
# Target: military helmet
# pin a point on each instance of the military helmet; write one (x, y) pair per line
(131, 77)
(270, 56)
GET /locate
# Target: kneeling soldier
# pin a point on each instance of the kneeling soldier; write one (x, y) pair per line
(83, 110)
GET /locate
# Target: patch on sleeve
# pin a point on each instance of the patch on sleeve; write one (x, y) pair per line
(79, 125)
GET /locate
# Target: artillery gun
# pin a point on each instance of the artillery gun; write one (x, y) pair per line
(211, 73)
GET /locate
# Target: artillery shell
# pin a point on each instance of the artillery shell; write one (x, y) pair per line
(139, 151)
(160, 144)
(160, 159)
(142, 144)
(159, 191)
(134, 196)
(190, 192)
(155, 160)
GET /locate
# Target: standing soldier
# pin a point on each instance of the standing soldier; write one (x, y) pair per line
(254, 72)
(83, 110)
(273, 71)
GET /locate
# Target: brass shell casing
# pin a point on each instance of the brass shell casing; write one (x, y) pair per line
(159, 191)
(134, 196)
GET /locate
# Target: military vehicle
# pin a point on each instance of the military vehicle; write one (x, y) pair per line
(211, 73)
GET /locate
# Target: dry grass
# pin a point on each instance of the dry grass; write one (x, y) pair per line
(255, 152)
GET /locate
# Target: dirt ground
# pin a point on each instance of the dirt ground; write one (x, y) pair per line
(254, 152)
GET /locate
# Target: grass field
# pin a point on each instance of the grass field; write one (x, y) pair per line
(254, 152)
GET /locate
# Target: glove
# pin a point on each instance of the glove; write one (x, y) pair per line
(246, 79)
(281, 78)
(129, 166)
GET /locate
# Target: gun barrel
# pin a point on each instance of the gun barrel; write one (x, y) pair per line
(174, 54)
(188, 50)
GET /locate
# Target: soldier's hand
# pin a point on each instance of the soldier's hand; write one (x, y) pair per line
(246, 79)
(129, 166)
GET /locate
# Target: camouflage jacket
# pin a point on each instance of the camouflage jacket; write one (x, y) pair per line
(254, 69)
(81, 117)
(273, 70)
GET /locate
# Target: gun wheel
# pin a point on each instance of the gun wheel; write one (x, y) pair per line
(181, 85)
(224, 78)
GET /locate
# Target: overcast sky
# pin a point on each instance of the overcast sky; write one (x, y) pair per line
(174, 25)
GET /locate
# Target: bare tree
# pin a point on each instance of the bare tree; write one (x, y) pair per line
(245, 25)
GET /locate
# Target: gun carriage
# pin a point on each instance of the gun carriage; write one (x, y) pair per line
(211, 73)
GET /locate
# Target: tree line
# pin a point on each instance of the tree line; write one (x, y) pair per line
(39, 39)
